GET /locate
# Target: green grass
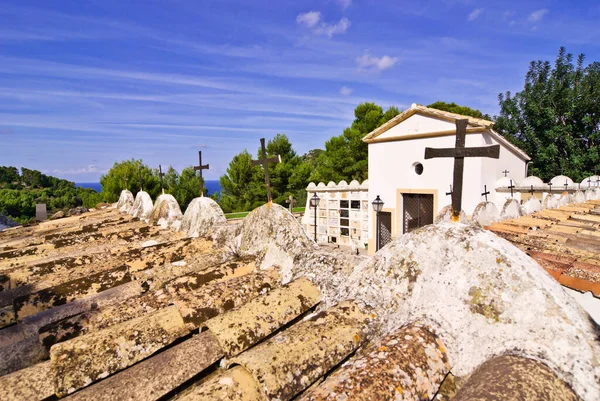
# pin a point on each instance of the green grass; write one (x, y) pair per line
(241, 215)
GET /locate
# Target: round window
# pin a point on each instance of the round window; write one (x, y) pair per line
(418, 168)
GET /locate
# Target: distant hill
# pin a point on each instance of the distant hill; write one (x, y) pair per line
(20, 191)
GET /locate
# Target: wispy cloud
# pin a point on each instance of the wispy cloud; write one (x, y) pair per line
(345, 91)
(314, 21)
(309, 19)
(78, 171)
(475, 14)
(344, 3)
(508, 15)
(538, 15)
(366, 62)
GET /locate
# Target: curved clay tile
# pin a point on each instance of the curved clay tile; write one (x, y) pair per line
(410, 363)
(235, 384)
(157, 376)
(288, 363)
(81, 361)
(243, 327)
(514, 378)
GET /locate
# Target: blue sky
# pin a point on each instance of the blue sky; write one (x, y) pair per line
(86, 83)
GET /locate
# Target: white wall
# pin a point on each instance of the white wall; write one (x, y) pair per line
(391, 168)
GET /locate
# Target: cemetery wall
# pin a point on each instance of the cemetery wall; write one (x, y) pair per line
(342, 214)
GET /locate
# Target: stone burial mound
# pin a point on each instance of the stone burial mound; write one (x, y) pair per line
(107, 306)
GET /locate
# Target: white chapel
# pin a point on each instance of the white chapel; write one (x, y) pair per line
(413, 189)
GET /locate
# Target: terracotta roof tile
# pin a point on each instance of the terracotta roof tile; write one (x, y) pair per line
(105, 306)
(568, 246)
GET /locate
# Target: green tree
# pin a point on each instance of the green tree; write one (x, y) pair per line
(556, 117)
(132, 174)
(18, 199)
(243, 186)
(170, 181)
(457, 109)
(238, 185)
(346, 156)
(9, 176)
(281, 173)
(188, 187)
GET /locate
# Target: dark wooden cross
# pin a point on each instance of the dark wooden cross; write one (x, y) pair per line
(485, 192)
(505, 172)
(550, 184)
(199, 168)
(451, 191)
(566, 185)
(511, 186)
(589, 182)
(264, 161)
(531, 190)
(292, 202)
(161, 175)
(459, 152)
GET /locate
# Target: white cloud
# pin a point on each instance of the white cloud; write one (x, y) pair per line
(309, 19)
(371, 63)
(538, 15)
(344, 3)
(508, 15)
(332, 29)
(313, 21)
(475, 14)
(345, 91)
(76, 171)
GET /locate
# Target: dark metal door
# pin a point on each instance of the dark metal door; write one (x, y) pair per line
(385, 228)
(418, 211)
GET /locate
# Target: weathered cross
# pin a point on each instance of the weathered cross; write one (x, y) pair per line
(451, 191)
(161, 175)
(550, 184)
(511, 186)
(292, 202)
(199, 168)
(265, 164)
(566, 185)
(597, 180)
(505, 172)
(579, 186)
(459, 153)
(126, 179)
(485, 192)
(531, 190)
(589, 182)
